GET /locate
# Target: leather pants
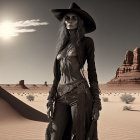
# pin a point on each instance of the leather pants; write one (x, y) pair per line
(73, 116)
(66, 113)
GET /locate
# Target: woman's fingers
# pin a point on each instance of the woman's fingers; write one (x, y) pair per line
(47, 111)
(95, 115)
(50, 112)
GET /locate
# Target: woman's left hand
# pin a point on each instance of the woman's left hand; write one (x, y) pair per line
(95, 114)
(50, 109)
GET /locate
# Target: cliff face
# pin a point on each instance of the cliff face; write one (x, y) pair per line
(129, 72)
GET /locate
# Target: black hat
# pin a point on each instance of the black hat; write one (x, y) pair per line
(89, 23)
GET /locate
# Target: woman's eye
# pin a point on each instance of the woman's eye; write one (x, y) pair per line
(67, 18)
(74, 18)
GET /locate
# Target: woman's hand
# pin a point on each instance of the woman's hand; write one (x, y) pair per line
(95, 114)
(50, 109)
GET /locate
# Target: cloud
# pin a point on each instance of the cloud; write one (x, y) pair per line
(28, 23)
(25, 30)
(15, 28)
(18, 31)
(19, 25)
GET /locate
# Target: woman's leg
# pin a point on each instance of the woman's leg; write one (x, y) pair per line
(74, 120)
(60, 121)
(81, 113)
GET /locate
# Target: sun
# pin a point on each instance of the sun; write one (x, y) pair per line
(7, 29)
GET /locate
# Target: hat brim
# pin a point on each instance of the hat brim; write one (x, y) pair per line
(89, 23)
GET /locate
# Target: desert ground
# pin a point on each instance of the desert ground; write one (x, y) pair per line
(114, 123)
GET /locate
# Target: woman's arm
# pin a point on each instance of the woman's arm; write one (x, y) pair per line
(57, 75)
(92, 75)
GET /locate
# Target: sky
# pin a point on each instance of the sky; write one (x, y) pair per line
(30, 51)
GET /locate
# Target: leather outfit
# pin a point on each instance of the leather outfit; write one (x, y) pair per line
(71, 92)
(85, 51)
(70, 71)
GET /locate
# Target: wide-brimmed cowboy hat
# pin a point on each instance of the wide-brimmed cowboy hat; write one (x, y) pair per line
(89, 23)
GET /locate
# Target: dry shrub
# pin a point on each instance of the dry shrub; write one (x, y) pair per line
(105, 99)
(127, 108)
(127, 98)
(30, 97)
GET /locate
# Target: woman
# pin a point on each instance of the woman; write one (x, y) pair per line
(73, 105)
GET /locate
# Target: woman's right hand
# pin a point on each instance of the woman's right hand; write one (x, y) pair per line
(50, 109)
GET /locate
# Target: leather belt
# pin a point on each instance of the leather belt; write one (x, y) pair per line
(65, 88)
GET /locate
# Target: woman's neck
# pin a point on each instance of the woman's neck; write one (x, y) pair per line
(72, 34)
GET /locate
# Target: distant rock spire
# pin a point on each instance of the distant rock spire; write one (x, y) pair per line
(45, 83)
(21, 84)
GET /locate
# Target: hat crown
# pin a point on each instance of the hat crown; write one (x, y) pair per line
(74, 5)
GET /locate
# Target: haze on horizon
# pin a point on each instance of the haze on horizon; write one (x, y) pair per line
(29, 54)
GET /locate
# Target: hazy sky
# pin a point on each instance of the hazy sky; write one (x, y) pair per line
(30, 53)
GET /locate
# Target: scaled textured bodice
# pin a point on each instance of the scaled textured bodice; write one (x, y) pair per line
(69, 65)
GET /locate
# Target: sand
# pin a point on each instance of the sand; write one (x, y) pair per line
(113, 124)
(15, 127)
(116, 124)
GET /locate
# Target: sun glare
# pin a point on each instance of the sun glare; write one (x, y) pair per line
(7, 30)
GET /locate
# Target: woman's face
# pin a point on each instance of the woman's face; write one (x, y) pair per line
(71, 21)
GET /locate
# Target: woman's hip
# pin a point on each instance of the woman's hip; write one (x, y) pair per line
(73, 96)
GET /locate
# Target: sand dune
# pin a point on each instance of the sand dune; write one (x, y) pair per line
(7, 113)
(13, 126)
(113, 124)
(24, 109)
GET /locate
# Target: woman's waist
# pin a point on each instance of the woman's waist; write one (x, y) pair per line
(65, 88)
(72, 82)
(71, 73)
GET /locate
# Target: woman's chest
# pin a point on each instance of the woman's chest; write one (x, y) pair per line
(68, 51)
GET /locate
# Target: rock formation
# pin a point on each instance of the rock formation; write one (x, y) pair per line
(45, 83)
(129, 72)
(21, 85)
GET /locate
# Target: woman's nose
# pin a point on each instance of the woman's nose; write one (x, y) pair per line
(70, 21)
